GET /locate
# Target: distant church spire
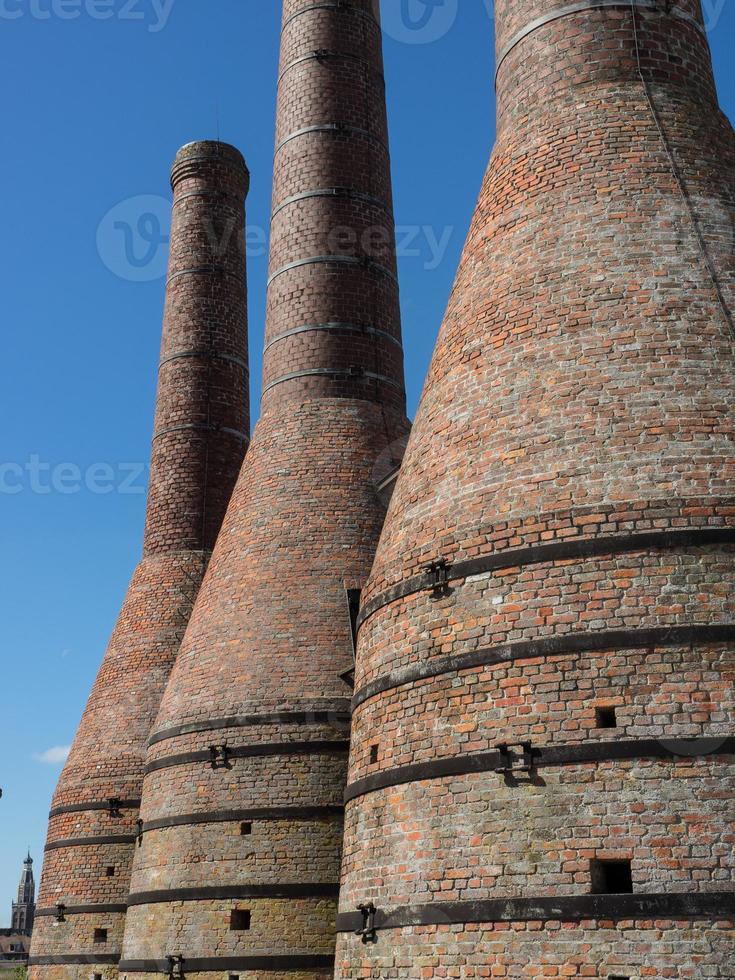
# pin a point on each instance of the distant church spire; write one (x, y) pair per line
(25, 908)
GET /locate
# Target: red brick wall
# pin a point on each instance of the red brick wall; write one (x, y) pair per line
(199, 442)
(580, 397)
(260, 666)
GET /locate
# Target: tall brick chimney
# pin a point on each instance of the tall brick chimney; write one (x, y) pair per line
(541, 774)
(238, 870)
(200, 437)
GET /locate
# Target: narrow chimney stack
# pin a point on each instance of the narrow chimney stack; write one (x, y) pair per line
(200, 437)
(541, 772)
(238, 871)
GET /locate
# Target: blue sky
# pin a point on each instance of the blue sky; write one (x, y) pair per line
(99, 95)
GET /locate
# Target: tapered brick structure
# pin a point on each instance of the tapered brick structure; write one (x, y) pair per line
(200, 437)
(242, 804)
(541, 774)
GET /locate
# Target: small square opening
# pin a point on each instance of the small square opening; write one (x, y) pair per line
(97, 976)
(246, 828)
(110, 871)
(234, 976)
(612, 878)
(616, 977)
(239, 920)
(607, 716)
(100, 935)
(374, 749)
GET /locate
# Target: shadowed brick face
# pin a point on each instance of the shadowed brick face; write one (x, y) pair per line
(238, 870)
(199, 442)
(560, 691)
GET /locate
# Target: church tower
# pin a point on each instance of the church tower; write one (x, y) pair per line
(24, 909)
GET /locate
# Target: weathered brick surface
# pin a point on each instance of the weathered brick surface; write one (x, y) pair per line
(273, 849)
(296, 923)
(199, 441)
(535, 950)
(582, 388)
(86, 880)
(271, 633)
(679, 840)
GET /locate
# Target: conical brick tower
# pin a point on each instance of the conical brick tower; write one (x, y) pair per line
(200, 437)
(242, 805)
(541, 773)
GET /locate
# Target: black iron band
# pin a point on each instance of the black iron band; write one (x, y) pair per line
(336, 375)
(335, 747)
(90, 841)
(202, 427)
(95, 805)
(558, 551)
(204, 894)
(339, 719)
(576, 908)
(324, 55)
(210, 196)
(82, 910)
(214, 964)
(340, 7)
(206, 270)
(340, 193)
(73, 959)
(208, 355)
(352, 260)
(564, 645)
(585, 5)
(580, 753)
(350, 327)
(336, 129)
(270, 813)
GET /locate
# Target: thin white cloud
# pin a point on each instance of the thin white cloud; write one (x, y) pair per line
(54, 755)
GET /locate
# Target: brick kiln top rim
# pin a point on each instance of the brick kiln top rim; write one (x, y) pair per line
(204, 153)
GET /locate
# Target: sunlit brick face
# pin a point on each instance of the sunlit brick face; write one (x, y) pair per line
(554, 698)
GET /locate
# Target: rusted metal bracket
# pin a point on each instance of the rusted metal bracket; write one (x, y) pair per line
(437, 573)
(219, 756)
(175, 967)
(368, 932)
(511, 762)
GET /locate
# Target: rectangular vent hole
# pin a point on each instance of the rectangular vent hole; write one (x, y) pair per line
(374, 749)
(607, 717)
(97, 976)
(239, 920)
(100, 935)
(612, 878)
(110, 871)
(246, 828)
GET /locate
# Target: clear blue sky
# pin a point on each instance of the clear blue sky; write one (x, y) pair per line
(99, 95)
